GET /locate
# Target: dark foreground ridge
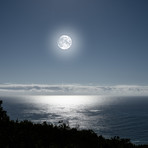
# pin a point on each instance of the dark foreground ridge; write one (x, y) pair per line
(26, 134)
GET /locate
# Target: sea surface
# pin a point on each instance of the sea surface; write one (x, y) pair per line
(126, 117)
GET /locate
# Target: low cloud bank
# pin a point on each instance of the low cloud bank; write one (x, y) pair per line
(73, 89)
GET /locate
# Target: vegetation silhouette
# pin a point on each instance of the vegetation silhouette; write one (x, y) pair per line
(26, 134)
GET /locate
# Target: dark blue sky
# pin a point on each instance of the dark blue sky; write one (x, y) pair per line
(110, 41)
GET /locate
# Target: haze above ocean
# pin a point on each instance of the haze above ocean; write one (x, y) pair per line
(126, 117)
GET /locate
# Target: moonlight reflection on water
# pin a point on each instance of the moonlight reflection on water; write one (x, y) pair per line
(108, 116)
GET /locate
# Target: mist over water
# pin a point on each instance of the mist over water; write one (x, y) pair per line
(126, 117)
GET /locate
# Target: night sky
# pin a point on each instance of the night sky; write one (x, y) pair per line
(110, 42)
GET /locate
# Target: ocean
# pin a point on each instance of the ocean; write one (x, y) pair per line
(126, 117)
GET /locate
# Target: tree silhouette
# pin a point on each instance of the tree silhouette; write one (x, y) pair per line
(3, 114)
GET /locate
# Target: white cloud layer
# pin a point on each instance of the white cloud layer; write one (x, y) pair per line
(73, 89)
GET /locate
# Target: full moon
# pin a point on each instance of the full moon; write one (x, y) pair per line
(64, 42)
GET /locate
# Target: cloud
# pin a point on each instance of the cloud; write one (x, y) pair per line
(73, 89)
